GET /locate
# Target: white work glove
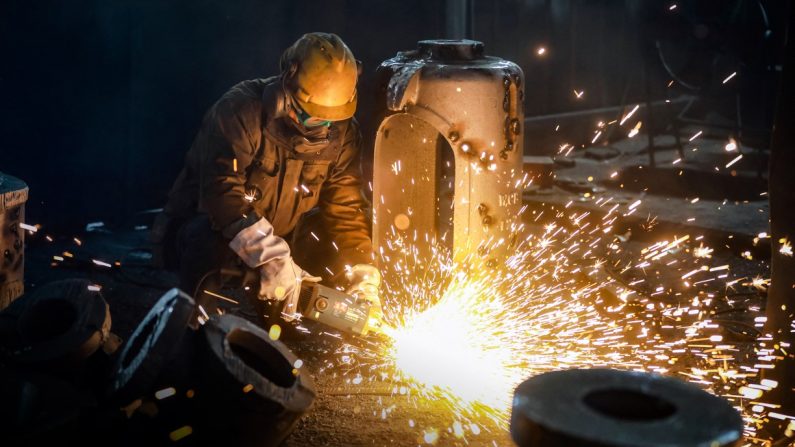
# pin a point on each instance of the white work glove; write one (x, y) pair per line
(280, 276)
(365, 281)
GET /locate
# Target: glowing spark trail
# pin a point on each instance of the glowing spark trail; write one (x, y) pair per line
(628, 115)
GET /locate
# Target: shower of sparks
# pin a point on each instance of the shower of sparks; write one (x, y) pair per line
(567, 296)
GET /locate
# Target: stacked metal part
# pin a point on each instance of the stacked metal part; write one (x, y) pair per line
(223, 382)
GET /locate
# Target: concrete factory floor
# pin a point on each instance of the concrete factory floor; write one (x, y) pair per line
(361, 415)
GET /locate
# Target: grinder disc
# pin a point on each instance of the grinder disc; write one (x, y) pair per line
(611, 408)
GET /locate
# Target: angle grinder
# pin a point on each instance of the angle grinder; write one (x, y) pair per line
(316, 302)
(339, 310)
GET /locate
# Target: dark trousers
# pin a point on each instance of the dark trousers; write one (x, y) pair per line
(201, 252)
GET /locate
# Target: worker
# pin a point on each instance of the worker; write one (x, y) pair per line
(273, 181)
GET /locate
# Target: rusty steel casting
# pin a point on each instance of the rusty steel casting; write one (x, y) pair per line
(13, 195)
(448, 153)
(611, 408)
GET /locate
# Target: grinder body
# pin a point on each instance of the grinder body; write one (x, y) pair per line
(336, 309)
(316, 302)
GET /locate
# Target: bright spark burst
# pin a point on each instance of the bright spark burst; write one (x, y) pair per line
(635, 130)
(786, 247)
(702, 252)
(466, 335)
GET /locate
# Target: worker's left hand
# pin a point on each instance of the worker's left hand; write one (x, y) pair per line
(365, 281)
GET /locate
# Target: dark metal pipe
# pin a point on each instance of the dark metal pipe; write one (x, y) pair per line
(781, 295)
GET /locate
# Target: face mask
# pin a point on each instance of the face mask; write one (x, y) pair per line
(309, 121)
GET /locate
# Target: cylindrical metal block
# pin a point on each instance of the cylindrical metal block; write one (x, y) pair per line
(252, 391)
(448, 153)
(56, 327)
(159, 350)
(611, 408)
(13, 195)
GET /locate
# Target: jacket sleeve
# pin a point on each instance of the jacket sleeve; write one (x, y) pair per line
(344, 209)
(228, 141)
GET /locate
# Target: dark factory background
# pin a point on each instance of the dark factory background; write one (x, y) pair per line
(99, 100)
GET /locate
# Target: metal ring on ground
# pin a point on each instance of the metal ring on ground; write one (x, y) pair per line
(59, 324)
(156, 341)
(250, 388)
(611, 408)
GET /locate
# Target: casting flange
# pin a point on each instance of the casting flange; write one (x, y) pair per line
(611, 408)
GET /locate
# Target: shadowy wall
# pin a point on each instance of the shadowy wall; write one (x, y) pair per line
(100, 99)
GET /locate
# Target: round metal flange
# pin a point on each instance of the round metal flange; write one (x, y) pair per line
(255, 380)
(58, 324)
(611, 408)
(156, 341)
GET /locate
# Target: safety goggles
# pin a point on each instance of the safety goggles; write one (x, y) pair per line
(308, 120)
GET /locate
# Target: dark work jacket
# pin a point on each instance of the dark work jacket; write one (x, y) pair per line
(250, 160)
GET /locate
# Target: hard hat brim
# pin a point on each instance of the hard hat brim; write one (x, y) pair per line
(329, 113)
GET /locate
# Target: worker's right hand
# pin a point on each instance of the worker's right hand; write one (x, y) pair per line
(280, 277)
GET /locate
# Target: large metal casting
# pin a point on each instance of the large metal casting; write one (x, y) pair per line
(611, 408)
(448, 153)
(13, 195)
